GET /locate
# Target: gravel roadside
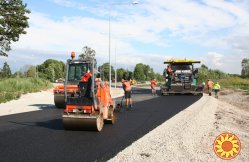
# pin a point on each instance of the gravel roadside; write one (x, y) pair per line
(189, 135)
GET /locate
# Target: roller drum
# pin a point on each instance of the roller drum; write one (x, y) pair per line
(59, 100)
(82, 122)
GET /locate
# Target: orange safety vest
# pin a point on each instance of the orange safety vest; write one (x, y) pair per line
(127, 86)
(210, 84)
(101, 94)
(86, 77)
(170, 71)
(153, 83)
(108, 94)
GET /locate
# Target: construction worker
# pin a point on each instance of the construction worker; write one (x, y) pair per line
(153, 84)
(127, 92)
(86, 76)
(85, 85)
(168, 74)
(210, 84)
(216, 89)
(103, 98)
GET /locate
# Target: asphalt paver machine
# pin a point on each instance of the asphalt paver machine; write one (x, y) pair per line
(184, 78)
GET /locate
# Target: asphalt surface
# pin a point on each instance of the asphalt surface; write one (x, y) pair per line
(39, 135)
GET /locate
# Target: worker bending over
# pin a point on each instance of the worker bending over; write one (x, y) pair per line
(127, 92)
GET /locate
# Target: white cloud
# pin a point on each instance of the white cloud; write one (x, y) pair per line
(209, 24)
(70, 3)
(229, 63)
(213, 59)
(65, 35)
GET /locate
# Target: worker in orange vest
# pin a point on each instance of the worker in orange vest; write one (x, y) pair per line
(210, 86)
(86, 76)
(110, 102)
(102, 98)
(127, 92)
(153, 84)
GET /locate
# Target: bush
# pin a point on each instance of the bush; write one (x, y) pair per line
(13, 88)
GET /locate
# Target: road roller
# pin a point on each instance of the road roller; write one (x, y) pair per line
(88, 102)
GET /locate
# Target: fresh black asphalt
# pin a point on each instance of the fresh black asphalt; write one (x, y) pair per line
(39, 135)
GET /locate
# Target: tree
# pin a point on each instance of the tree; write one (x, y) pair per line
(204, 66)
(50, 73)
(13, 21)
(130, 76)
(88, 53)
(143, 72)
(124, 74)
(120, 74)
(245, 67)
(159, 77)
(52, 70)
(104, 71)
(139, 72)
(31, 72)
(5, 72)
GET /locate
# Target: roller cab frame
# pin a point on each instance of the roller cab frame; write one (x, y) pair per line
(82, 110)
(184, 80)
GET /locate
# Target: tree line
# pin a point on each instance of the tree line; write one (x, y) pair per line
(53, 69)
(141, 72)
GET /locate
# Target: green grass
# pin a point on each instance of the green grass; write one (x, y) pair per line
(245, 87)
(13, 88)
(235, 82)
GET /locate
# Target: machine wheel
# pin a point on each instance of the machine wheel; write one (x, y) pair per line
(99, 123)
(59, 101)
(118, 108)
(111, 116)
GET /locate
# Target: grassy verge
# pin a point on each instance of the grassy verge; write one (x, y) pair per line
(235, 82)
(13, 88)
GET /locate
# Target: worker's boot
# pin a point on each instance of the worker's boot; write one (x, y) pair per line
(127, 107)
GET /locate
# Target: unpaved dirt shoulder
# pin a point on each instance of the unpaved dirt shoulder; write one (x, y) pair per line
(189, 135)
(28, 102)
(233, 119)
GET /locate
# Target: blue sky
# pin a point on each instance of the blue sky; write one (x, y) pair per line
(213, 31)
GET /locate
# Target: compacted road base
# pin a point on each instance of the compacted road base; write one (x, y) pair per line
(39, 135)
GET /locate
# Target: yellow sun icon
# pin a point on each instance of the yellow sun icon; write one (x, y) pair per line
(226, 146)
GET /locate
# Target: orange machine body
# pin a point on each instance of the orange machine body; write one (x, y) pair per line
(70, 89)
